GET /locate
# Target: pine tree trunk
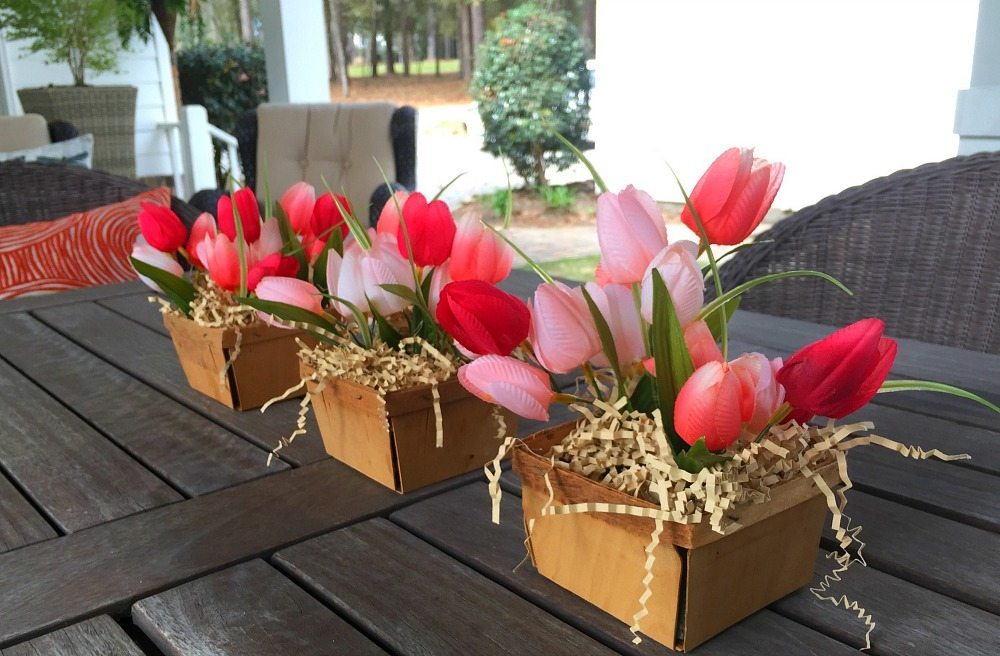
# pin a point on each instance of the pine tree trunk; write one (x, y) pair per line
(373, 49)
(407, 44)
(337, 45)
(477, 28)
(390, 52)
(589, 27)
(464, 40)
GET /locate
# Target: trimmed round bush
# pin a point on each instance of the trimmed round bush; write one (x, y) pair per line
(227, 80)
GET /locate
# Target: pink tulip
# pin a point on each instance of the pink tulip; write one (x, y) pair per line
(601, 275)
(203, 225)
(221, 261)
(709, 406)
(272, 265)
(290, 291)
(733, 195)
(442, 276)
(269, 242)
(143, 252)
(510, 383)
(701, 344)
(618, 309)
(760, 393)
(343, 279)
(563, 334)
(631, 232)
(298, 204)
(479, 254)
(246, 205)
(388, 218)
(680, 272)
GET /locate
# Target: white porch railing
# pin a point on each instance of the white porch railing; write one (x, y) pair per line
(192, 152)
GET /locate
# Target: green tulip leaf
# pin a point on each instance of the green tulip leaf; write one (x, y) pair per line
(402, 291)
(179, 290)
(289, 312)
(673, 362)
(598, 180)
(386, 332)
(739, 290)
(930, 386)
(715, 319)
(643, 397)
(445, 188)
(697, 457)
(607, 339)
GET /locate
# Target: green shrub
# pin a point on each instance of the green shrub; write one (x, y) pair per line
(227, 80)
(498, 201)
(557, 198)
(532, 75)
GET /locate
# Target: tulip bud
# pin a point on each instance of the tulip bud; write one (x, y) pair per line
(326, 216)
(478, 254)
(143, 252)
(297, 204)
(563, 335)
(246, 205)
(483, 318)
(162, 229)
(510, 383)
(631, 231)
(290, 291)
(431, 230)
(682, 276)
(203, 226)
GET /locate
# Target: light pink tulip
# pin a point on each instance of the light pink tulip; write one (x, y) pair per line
(479, 254)
(701, 344)
(203, 225)
(343, 279)
(709, 406)
(298, 204)
(269, 243)
(631, 232)
(760, 393)
(563, 334)
(384, 265)
(510, 383)
(618, 308)
(221, 261)
(290, 291)
(678, 267)
(143, 252)
(442, 276)
(388, 218)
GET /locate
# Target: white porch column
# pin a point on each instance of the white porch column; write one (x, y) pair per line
(294, 33)
(977, 114)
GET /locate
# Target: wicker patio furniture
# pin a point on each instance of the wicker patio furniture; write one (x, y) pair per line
(41, 191)
(919, 248)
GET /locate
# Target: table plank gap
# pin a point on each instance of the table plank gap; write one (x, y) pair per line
(150, 357)
(138, 308)
(246, 609)
(939, 554)
(84, 478)
(910, 620)
(105, 568)
(99, 636)
(459, 524)
(23, 522)
(26, 303)
(421, 601)
(189, 452)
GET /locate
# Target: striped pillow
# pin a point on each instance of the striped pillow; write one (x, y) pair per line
(79, 250)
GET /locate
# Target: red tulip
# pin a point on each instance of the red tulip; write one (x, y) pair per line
(479, 254)
(631, 232)
(298, 204)
(162, 229)
(733, 195)
(326, 216)
(508, 382)
(431, 229)
(483, 318)
(246, 205)
(203, 225)
(272, 265)
(838, 374)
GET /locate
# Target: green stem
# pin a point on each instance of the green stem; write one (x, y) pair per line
(637, 298)
(531, 263)
(779, 415)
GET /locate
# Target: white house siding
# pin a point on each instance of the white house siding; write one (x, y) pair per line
(842, 91)
(145, 66)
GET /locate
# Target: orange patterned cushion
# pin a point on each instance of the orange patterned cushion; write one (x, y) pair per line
(79, 250)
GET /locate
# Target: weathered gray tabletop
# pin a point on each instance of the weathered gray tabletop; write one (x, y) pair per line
(138, 517)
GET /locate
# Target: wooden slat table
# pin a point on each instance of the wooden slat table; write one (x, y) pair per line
(139, 517)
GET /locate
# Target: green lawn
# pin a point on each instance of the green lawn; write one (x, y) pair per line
(571, 268)
(425, 67)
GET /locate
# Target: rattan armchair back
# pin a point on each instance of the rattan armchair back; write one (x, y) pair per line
(32, 191)
(919, 248)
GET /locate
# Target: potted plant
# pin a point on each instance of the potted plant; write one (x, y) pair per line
(382, 377)
(692, 490)
(83, 35)
(227, 352)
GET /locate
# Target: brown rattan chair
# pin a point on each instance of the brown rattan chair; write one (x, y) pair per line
(919, 248)
(36, 191)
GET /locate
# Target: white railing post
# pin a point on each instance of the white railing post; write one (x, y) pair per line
(199, 155)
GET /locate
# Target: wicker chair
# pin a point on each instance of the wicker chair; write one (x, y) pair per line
(919, 248)
(41, 191)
